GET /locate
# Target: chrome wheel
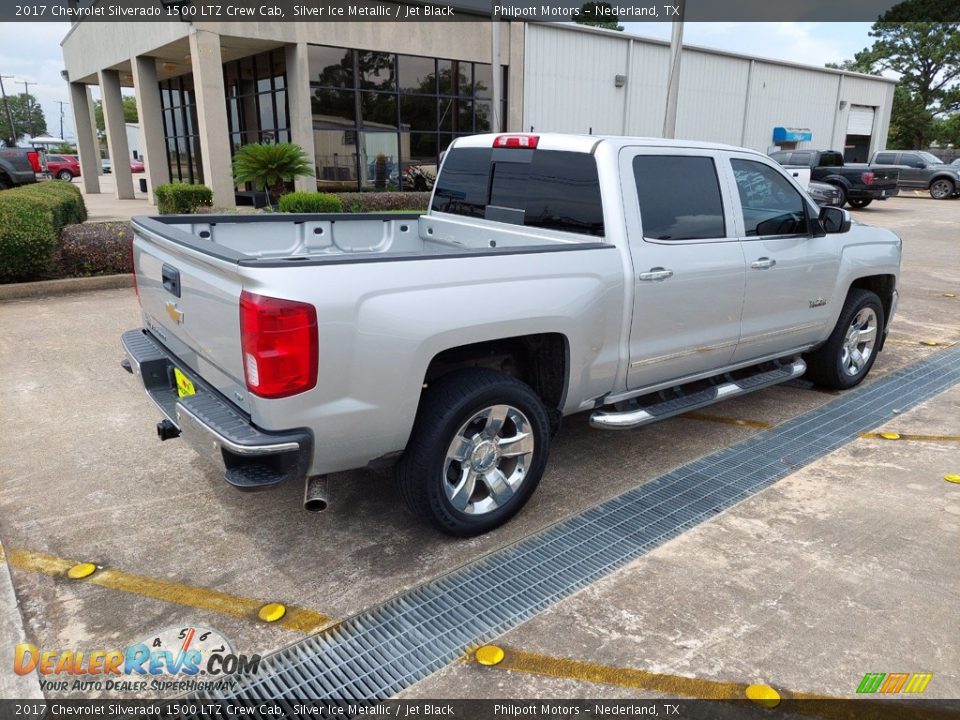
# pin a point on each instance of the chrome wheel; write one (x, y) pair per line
(859, 342)
(488, 459)
(941, 189)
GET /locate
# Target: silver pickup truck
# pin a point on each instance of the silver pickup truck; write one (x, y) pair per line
(630, 278)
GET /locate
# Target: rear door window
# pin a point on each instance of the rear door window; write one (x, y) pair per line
(679, 197)
(886, 159)
(547, 189)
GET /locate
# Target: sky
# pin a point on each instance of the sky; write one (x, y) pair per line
(31, 51)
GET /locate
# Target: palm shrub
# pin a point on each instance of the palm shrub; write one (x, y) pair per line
(269, 165)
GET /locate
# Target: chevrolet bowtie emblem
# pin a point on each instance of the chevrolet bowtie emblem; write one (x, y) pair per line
(175, 313)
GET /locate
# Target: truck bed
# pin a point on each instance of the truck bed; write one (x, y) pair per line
(266, 240)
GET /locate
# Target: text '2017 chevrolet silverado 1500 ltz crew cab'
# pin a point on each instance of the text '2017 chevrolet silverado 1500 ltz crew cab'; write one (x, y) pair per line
(633, 279)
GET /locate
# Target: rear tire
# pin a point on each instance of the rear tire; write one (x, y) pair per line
(942, 189)
(65, 175)
(478, 448)
(850, 351)
(5, 183)
(861, 203)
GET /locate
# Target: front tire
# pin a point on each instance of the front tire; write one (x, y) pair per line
(861, 203)
(65, 175)
(843, 195)
(850, 351)
(477, 451)
(942, 189)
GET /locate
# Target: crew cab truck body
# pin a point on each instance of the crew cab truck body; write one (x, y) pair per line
(631, 278)
(921, 171)
(859, 184)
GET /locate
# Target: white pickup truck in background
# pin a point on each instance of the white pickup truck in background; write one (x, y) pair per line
(630, 278)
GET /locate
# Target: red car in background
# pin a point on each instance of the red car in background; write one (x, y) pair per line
(67, 167)
(63, 167)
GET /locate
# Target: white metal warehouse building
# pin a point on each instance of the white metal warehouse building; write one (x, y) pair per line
(572, 74)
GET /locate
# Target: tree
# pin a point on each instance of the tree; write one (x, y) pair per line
(129, 113)
(598, 14)
(926, 57)
(28, 118)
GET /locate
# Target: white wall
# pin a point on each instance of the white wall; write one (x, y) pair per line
(569, 76)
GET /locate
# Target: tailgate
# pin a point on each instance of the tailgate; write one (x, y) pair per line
(191, 304)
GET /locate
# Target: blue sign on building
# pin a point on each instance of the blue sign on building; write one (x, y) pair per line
(784, 134)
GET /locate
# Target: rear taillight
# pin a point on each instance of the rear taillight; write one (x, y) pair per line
(867, 178)
(34, 157)
(516, 141)
(280, 345)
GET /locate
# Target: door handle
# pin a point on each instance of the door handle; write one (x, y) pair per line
(656, 273)
(763, 263)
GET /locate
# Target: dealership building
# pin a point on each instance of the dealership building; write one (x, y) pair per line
(368, 99)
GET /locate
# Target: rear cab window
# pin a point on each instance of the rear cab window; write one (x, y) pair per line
(549, 189)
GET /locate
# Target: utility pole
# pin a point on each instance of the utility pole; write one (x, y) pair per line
(28, 101)
(3, 93)
(673, 79)
(61, 103)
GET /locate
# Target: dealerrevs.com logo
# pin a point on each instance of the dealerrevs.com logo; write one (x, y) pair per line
(175, 659)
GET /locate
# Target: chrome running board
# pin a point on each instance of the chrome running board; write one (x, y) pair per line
(635, 417)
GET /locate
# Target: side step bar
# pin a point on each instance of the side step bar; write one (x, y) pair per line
(635, 417)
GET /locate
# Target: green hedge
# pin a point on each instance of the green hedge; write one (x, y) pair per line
(97, 248)
(27, 237)
(182, 198)
(362, 202)
(310, 202)
(61, 199)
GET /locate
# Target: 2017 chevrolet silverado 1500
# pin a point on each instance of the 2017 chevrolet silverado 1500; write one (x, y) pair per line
(860, 185)
(633, 279)
(922, 171)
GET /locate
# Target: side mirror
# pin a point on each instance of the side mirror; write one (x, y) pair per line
(834, 220)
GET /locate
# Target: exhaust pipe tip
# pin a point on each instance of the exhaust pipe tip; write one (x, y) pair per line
(315, 496)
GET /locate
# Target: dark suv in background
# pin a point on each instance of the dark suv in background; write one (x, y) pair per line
(920, 170)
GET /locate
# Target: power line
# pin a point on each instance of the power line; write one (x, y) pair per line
(61, 103)
(29, 101)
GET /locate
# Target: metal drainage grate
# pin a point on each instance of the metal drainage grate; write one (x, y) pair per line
(386, 649)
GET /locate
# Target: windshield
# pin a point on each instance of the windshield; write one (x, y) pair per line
(930, 159)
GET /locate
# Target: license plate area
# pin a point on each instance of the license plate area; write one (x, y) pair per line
(185, 387)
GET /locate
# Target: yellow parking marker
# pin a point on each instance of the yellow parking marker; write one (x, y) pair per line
(293, 618)
(891, 435)
(950, 295)
(81, 570)
(762, 695)
(759, 424)
(952, 478)
(489, 655)
(271, 612)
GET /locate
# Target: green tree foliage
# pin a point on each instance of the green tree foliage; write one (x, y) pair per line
(926, 58)
(129, 113)
(28, 118)
(269, 166)
(598, 14)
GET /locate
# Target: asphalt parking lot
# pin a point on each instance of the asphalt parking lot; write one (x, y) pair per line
(845, 567)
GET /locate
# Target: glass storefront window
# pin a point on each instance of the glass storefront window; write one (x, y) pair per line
(417, 74)
(403, 109)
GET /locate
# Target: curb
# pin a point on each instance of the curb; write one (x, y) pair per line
(46, 288)
(12, 686)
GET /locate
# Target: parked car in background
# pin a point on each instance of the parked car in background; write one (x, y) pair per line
(630, 278)
(859, 185)
(106, 165)
(921, 170)
(63, 167)
(825, 195)
(19, 166)
(136, 166)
